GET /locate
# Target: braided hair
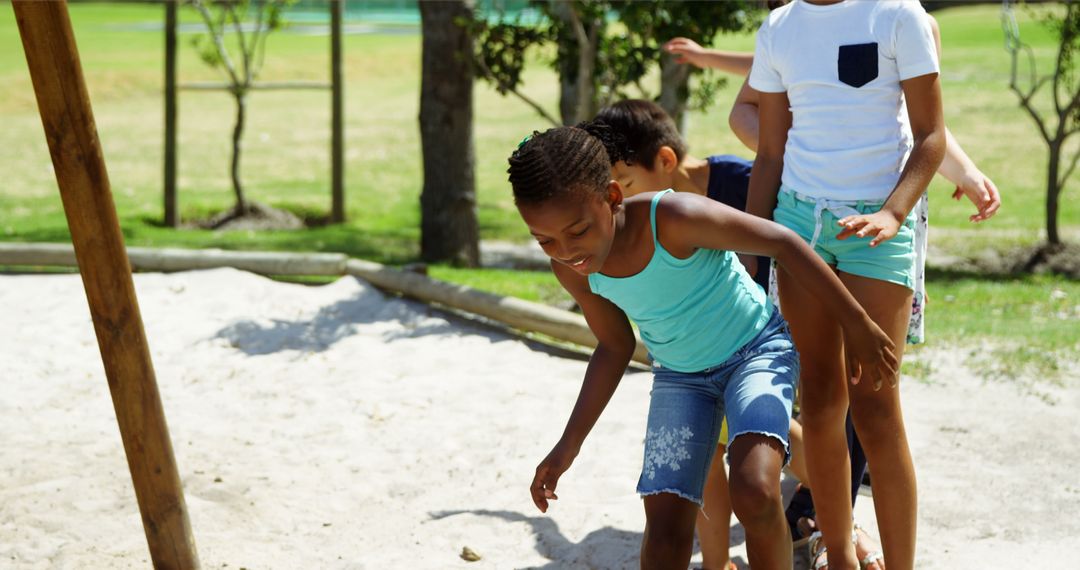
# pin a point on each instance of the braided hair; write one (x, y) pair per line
(558, 162)
(634, 130)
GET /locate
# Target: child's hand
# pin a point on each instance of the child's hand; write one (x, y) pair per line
(686, 51)
(881, 224)
(870, 353)
(548, 473)
(982, 192)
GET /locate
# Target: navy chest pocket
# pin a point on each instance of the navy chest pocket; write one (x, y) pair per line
(857, 64)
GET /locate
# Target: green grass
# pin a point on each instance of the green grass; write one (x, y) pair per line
(286, 160)
(286, 163)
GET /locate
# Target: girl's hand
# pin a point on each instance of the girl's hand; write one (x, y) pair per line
(686, 50)
(881, 224)
(548, 473)
(981, 191)
(870, 353)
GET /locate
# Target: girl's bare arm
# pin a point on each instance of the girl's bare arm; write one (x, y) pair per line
(615, 346)
(689, 222)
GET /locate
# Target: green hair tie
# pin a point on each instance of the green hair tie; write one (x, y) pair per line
(524, 140)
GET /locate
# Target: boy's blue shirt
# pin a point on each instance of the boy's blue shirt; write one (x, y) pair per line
(729, 181)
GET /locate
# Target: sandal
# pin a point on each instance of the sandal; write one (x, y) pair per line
(818, 556)
(875, 556)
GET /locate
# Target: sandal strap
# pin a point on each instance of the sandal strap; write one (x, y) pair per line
(870, 559)
(875, 556)
(818, 558)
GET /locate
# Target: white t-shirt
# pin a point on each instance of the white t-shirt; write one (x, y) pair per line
(841, 66)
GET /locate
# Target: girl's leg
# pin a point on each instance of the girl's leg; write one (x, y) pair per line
(756, 461)
(669, 532)
(714, 531)
(797, 465)
(880, 424)
(818, 339)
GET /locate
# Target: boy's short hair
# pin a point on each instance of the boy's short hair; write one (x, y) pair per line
(634, 130)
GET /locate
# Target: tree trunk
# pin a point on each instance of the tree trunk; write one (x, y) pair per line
(448, 224)
(674, 89)
(337, 114)
(577, 86)
(172, 218)
(238, 133)
(1053, 190)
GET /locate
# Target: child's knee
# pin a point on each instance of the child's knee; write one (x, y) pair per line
(874, 423)
(822, 412)
(755, 497)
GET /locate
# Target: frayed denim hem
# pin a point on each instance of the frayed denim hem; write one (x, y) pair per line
(784, 441)
(700, 502)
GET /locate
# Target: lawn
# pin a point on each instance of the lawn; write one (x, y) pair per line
(286, 156)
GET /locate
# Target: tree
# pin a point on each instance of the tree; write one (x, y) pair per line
(449, 228)
(656, 21)
(221, 16)
(1065, 98)
(597, 65)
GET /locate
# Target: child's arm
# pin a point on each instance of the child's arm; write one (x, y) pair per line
(615, 347)
(923, 94)
(743, 118)
(689, 51)
(775, 120)
(958, 168)
(689, 222)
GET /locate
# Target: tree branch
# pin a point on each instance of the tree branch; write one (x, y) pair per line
(217, 35)
(259, 43)
(261, 9)
(486, 73)
(1025, 103)
(240, 39)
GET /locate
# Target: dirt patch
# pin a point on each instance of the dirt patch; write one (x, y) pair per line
(257, 216)
(1062, 259)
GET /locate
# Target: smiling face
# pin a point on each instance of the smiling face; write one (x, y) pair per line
(576, 230)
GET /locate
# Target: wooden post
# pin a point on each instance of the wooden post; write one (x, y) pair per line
(64, 104)
(337, 150)
(172, 219)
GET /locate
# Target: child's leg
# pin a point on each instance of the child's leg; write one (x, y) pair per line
(880, 425)
(685, 412)
(818, 338)
(756, 461)
(758, 400)
(797, 465)
(714, 521)
(669, 532)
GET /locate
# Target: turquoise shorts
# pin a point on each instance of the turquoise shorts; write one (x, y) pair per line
(815, 221)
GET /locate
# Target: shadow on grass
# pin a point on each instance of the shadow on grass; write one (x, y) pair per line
(949, 275)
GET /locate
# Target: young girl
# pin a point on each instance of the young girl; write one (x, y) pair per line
(648, 155)
(957, 167)
(834, 149)
(665, 260)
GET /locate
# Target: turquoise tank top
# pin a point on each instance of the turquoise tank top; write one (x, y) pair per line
(692, 313)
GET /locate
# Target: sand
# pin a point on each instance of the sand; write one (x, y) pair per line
(335, 427)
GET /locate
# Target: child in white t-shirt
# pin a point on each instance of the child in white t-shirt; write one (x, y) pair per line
(838, 163)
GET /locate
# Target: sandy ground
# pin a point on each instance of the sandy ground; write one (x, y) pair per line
(332, 427)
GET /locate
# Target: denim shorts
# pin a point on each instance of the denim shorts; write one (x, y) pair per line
(815, 221)
(754, 388)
